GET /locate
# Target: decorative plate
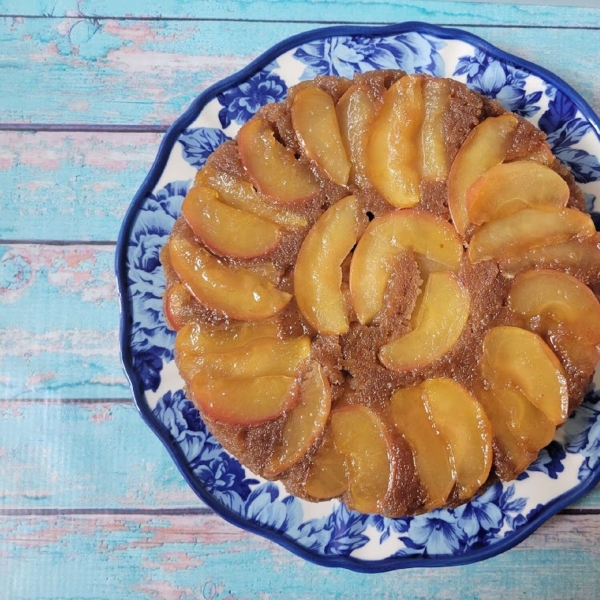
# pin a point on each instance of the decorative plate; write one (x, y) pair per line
(327, 533)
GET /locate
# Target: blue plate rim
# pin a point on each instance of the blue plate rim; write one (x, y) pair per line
(164, 151)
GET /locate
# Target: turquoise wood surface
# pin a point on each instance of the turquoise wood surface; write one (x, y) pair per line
(91, 505)
(161, 65)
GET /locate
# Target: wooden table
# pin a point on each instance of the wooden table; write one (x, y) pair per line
(91, 505)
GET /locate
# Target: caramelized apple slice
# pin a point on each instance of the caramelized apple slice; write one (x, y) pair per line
(355, 112)
(245, 401)
(305, 422)
(529, 228)
(362, 438)
(484, 148)
(315, 122)
(272, 167)
(327, 474)
(433, 459)
(530, 426)
(385, 237)
(240, 194)
(461, 421)
(510, 457)
(225, 230)
(394, 148)
(175, 303)
(510, 187)
(318, 273)
(236, 292)
(196, 338)
(516, 358)
(551, 301)
(440, 319)
(258, 358)
(578, 258)
(433, 134)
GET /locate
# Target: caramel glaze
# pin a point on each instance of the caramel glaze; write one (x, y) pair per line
(350, 361)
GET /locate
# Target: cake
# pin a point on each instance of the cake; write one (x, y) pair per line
(384, 291)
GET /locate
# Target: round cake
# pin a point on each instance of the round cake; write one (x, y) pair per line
(384, 291)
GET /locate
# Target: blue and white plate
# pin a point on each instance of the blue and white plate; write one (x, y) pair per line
(327, 533)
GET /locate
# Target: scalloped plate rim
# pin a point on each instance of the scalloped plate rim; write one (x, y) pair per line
(164, 151)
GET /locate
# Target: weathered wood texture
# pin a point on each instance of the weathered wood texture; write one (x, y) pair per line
(94, 456)
(158, 67)
(59, 323)
(70, 185)
(306, 11)
(184, 557)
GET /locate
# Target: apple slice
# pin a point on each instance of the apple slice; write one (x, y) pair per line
(355, 112)
(580, 258)
(385, 237)
(244, 402)
(510, 458)
(440, 319)
(176, 302)
(510, 187)
(305, 422)
(361, 437)
(197, 338)
(433, 135)
(326, 477)
(551, 301)
(318, 273)
(233, 291)
(529, 228)
(258, 358)
(433, 459)
(315, 122)
(518, 359)
(240, 194)
(485, 147)
(272, 167)
(225, 230)
(530, 426)
(394, 147)
(463, 424)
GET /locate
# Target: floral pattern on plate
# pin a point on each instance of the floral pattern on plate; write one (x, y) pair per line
(327, 532)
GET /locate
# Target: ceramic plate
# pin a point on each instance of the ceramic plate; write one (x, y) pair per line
(327, 533)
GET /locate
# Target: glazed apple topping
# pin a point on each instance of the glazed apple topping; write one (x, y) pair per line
(407, 141)
(439, 321)
(272, 167)
(355, 111)
(225, 230)
(316, 124)
(318, 273)
(383, 295)
(398, 231)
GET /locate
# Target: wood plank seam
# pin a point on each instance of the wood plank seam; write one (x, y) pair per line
(82, 128)
(283, 21)
(31, 242)
(177, 512)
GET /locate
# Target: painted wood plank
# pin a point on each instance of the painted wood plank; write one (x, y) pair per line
(85, 456)
(59, 323)
(147, 72)
(185, 557)
(101, 455)
(70, 185)
(317, 10)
